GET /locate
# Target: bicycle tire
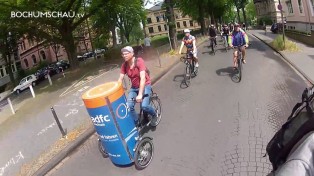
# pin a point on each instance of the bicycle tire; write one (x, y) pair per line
(240, 67)
(195, 69)
(139, 156)
(156, 104)
(187, 75)
(102, 150)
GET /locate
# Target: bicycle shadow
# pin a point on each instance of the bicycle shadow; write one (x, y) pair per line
(228, 71)
(181, 80)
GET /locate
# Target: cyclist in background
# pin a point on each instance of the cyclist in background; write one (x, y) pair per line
(238, 38)
(190, 42)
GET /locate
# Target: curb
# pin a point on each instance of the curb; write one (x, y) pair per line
(52, 163)
(286, 59)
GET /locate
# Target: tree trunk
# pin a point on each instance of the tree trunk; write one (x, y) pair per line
(114, 36)
(171, 23)
(122, 36)
(127, 36)
(7, 59)
(244, 15)
(144, 26)
(201, 17)
(70, 48)
(238, 12)
(213, 20)
(8, 65)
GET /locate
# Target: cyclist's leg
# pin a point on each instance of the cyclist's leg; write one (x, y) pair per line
(195, 58)
(146, 103)
(235, 55)
(130, 103)
(243, 54)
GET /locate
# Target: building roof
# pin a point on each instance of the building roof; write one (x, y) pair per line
(156, 7)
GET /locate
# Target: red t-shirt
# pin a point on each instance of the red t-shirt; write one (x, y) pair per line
(134, 73)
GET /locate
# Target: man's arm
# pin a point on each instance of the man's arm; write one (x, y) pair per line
(120, 78)
(182, 44)
(142, 86)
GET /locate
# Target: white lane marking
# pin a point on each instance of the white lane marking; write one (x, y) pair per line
(14, 160)
(71, 112)
(44, 130)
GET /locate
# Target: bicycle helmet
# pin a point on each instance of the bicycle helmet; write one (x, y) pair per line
(187, 31)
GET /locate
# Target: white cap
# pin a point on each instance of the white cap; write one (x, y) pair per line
(127, 49)
(187, 31)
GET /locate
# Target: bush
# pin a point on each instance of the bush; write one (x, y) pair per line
(113, 53)
(278, 44)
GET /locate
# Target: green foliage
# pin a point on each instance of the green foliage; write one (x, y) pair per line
(136, 33)
(267, 21)
(280, 45)
(250, 12)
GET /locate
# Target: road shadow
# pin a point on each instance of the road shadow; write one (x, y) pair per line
(228, 71)
(180, 78)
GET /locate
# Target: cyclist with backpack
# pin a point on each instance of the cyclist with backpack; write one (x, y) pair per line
(141, 87)
(291, 150)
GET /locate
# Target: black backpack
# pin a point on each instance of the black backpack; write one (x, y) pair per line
(135, 62)
(299, 123)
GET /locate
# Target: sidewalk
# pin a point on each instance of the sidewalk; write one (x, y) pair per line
(158, 66)
(302, 60)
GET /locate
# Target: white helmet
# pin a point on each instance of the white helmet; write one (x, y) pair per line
(187, 31)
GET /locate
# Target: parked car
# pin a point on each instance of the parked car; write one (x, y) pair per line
(63, 64)
(81, 58)
(41, 74)
(89, 54)
(53, 69)
(99, 51)
(25, 83)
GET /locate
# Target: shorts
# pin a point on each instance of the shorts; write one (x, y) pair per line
(194, 53)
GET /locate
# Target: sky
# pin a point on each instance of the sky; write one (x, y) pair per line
(149, 5)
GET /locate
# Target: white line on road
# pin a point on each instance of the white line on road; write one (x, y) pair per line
(14, 160)
(44, 130)
(88, 81)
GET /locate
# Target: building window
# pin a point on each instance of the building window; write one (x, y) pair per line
(34, 59)
(23, 45)
(151, 30)
(300, 6)
(165, 26)
(289, 5)
(191, 23)
(26, 63)
(43, 55)
(184, 24)
(312, 3)
(178, 24)
(149, 20)
(1, 72)
(157, 19)
(177, 16)
(159, 28)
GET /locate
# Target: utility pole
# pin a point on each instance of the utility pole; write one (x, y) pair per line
(283, 25)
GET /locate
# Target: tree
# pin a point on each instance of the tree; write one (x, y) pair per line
(250, 11)
(61, 29)
(124, 14)
(9, 35)
(240, 4)
(169, 5)
(195, 9)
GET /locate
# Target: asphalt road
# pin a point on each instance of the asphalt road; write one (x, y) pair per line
(214, 127)
(25, 136)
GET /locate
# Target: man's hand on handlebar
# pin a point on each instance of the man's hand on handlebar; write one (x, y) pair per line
(139, 98)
